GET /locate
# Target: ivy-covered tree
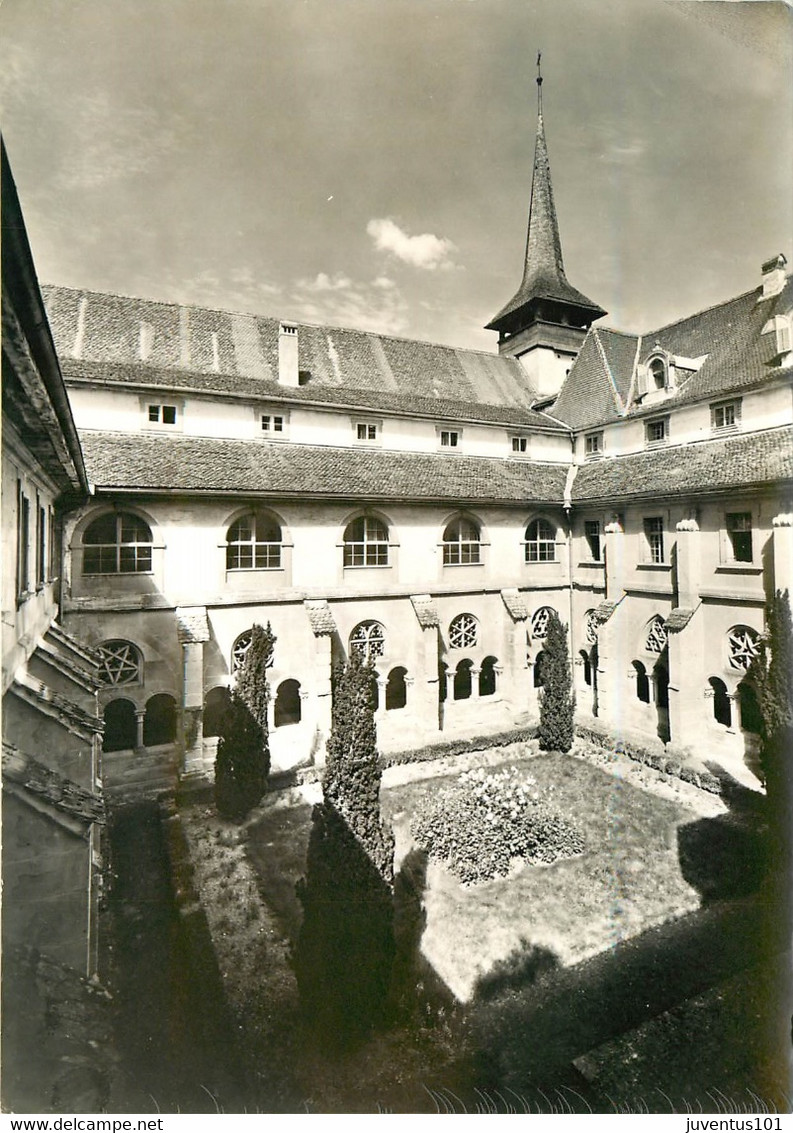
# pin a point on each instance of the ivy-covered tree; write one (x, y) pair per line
(252, 684)
(345, 950)
(772, 672)
(242, 762)
(351, 782)
(239, 776)
(557, 699)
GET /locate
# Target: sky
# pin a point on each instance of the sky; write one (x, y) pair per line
(368, 163)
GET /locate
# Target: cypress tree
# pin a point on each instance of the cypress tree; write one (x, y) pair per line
(242, 762)
(557, 700)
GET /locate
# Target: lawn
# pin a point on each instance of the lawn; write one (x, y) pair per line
(628, 879)
(462, 947)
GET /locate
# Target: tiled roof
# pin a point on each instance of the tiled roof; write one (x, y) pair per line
(543, 273)
(383, 401)
(678, 619)
(95, 328)
(516, 607)
(320, 616)
(53, 788)
(192, 624)
(739, 356)
(58, 706)
(123, 460)
(730, 462)
(426, 610)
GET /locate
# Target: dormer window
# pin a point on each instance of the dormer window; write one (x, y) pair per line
(519, 445)
(658, 373)
(780, 325)
(725, 416)
(162, 414)
(656, 432)
(367, 432)
(593, 444)
(272, 423)
(449, 438)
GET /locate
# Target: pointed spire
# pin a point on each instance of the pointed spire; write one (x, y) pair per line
(543, 272)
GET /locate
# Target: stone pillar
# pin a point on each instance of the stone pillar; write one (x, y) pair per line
(193, 705)
(140, 716)
(687, 726)
(615, 559)
(382, 684)
(612, 666)
(688, 563)
(323, 674)
(782, 536)
(475, 673)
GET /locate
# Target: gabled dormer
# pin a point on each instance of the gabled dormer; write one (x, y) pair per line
(661, 373)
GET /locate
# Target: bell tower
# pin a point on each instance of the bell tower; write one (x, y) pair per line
(545, 322)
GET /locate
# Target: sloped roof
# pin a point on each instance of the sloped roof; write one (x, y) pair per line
(426, 611)
(143, 376)
(53, 788)
(730, 462)
(543, 272)
(192, 625)
(516, 607)
(129, 460)
(320, 616)
(599, 387)
(99, 328)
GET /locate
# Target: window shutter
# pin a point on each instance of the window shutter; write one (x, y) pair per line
(642, 381)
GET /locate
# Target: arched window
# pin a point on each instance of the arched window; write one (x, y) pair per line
(539, 665)
(584, 655)
(540, 542)
(461, 543)
(366, 543)
(591, 626)
(396, 690)
(743, 646)
(159, 723)
(462, 680)
(751, 716)
(463, 631)
(253, 542)
(487, 677)
(239, 649)
(657, 370)
(367, 641)
(121, 730)
(539, 621)
(655, 641)
(661, 678)
(120, 663)
(642, 683)
(215, 708)
(722, 706)
(117, 543)
(287, 704)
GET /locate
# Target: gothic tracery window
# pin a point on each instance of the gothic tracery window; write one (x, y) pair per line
(591, 626)
(655, 641)
(743, 645)
(539, 621)
(239, 649)
(367, 641)
(463, 631)
(120, 663)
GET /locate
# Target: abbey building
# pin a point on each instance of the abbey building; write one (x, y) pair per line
(427, 507)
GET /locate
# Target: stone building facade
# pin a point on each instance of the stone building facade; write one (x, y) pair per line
(426, 507)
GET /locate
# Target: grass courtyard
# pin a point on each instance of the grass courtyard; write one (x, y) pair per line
(478, 967)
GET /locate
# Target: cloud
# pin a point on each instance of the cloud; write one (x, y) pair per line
(426, 251)
(378, 306)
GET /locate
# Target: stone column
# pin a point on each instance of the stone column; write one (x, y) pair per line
(687, 726)
(475, 673)
(688, 560)
(782, 536)
(382, 684)
(140, 716)
(193, 705)
(615, 559)
(323, 674)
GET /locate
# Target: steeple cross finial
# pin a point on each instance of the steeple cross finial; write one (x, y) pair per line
(539, 83)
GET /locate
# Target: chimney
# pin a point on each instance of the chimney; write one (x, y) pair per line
(773, 276)
(288, 374)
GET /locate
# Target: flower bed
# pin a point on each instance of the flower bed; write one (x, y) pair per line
(478, 825)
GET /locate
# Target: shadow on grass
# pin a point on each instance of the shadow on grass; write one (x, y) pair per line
(345, 947)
